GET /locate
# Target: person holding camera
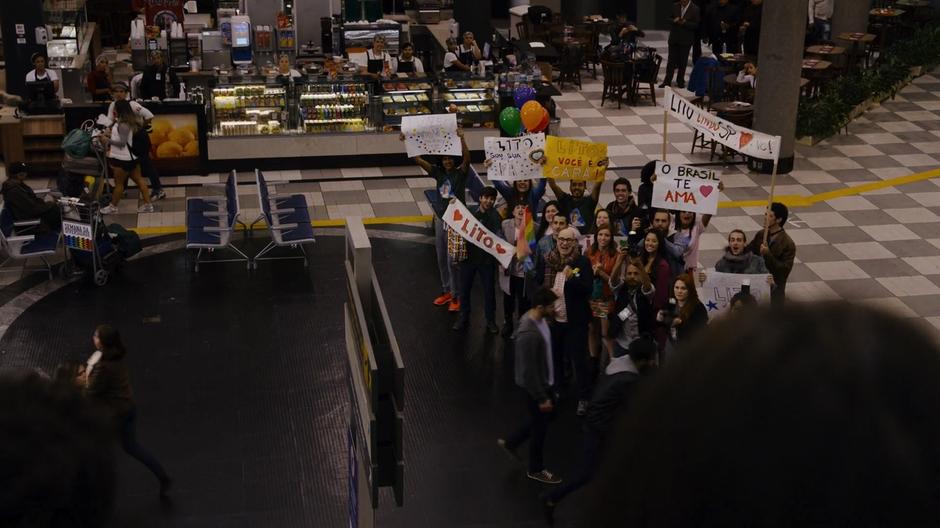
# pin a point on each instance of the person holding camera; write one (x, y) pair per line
(686, 314)
(632, 315)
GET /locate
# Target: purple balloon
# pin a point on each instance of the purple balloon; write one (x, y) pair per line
(523, 95)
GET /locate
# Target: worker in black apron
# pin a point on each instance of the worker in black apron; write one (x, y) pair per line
(378, 62)
(469, 53)
(452, 61)
(407, 63)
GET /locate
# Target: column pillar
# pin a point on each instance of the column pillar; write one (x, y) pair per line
(850, 17)
(779, 64)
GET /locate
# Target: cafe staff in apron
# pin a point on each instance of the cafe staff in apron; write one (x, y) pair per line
(378, 61)
(468, 52)
(452, 62)
(407, 63)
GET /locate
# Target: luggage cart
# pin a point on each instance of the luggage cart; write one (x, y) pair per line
(89, 247)
(72, 180)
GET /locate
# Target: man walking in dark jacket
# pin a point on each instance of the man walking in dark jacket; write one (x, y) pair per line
(535, 374)
(685, 23)
(611, 395)
(23, 202)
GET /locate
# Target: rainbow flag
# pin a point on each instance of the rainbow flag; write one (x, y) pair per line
(525, 240)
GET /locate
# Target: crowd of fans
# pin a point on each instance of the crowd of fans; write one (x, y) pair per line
(595, 292)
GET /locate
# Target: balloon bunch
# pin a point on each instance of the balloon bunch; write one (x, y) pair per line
(527, 115)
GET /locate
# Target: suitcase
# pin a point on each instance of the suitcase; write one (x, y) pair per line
(128, 242)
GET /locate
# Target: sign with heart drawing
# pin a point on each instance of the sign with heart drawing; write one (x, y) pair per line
(686, 188)
(744, 140)
(461, 220)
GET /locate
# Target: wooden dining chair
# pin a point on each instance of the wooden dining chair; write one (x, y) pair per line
(616, 81)
(522, 29)
(645, 78)
(570, 65)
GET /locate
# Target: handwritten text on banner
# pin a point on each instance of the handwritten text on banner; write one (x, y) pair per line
(461, 220)
(509, 160)
(431, 134)
(686, 188)
(570, 159)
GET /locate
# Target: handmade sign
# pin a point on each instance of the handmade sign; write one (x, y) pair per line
(719, 288)
(431, 134)
(744, 140)
(509, 158)
(570, 159)
(686, 188)
(461, 220)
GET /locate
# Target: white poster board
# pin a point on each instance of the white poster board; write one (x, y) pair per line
(744, 140)
(508, 158)
(461, 220)
(719, 288)
(431, 134)
(686, 188)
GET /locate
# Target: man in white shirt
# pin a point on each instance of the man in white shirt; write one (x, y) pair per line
(820, 18)
(40, 73)
(407, 63)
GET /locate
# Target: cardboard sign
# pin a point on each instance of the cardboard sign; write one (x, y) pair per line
(686, 188)
(77, 235)
(461, 220)
(509, 160)
(743, 140)
(431, 134)
(570, 159)
(719, 288)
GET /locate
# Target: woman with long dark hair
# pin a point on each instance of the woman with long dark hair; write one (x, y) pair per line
(690, 314)
(108, 383)
(604, 259)
(124, 162)
(653, 260)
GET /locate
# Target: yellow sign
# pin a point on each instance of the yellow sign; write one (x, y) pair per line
(570, 159)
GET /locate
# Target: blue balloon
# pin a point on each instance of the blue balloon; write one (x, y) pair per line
(523, 95)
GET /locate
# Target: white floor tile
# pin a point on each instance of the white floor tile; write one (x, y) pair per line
(864, 251)
(889, 232)
(924, 265)
(913, 215)
(824, 219)
(909, 286)
(835, 271)
(892, 305)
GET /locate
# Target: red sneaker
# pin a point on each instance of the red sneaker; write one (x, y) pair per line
(443, 299)
(454, 305)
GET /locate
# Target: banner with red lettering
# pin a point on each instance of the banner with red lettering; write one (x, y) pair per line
(744, 140)
(571, 159)
(686, 188)
(461, 220)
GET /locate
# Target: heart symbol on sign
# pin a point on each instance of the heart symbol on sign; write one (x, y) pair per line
(500, 249)
(745, 139)
(457, 216)
(706, 190)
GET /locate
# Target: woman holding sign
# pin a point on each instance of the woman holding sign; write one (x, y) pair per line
(522, 190)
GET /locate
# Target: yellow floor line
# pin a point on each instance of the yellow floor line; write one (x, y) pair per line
(791, 200)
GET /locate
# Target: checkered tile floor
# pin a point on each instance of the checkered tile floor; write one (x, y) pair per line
(880, 248)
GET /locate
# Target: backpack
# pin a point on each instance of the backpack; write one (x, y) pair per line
(140, 144)
(77, 143)
(128, 242)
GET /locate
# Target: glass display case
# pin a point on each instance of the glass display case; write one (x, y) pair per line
(334, 106)
(403, 97)
(250, 110)
(65, 23)
(474, 99)
(356, 35)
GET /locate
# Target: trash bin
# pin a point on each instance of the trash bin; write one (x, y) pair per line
(554, 127)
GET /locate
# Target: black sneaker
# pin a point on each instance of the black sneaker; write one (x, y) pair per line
(491, 327)
(509, 451)
(157, 195)
(545, 477)
(664, 84)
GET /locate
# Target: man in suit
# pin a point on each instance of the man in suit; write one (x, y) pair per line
(685, 22)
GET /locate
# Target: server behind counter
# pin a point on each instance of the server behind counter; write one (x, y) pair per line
(158, 81)
(407, 63)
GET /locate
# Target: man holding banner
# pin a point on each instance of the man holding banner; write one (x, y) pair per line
(779, 252)
(480, 262)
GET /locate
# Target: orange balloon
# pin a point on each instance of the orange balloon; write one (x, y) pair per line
(531, 114)
(543, 124)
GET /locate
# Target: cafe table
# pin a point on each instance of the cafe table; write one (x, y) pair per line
(816, 65)
(858, 40)
(885, 16)
(543, 51)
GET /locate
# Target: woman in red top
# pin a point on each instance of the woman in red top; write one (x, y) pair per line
(604, 259)
(98, 81)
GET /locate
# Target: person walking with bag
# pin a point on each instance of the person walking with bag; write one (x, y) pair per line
(124, 158)
(107, 383)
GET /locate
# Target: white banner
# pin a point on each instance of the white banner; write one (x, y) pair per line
(461, 220)
(719, 288)
(508, 158)
(686, 188)
(744, 140)
(431, 134)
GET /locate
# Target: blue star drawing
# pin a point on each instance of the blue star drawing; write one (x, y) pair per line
(712, 306)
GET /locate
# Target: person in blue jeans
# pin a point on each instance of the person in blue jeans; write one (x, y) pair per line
(107, 383)
(481, 263)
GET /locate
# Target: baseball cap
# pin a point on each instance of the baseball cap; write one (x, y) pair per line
(17, 167)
